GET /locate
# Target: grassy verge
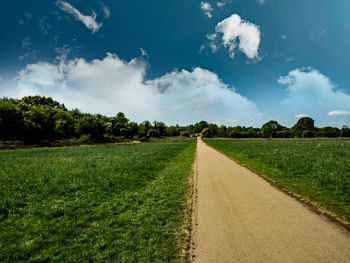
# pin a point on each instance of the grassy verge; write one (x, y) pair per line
(317, 169)
(95, 203)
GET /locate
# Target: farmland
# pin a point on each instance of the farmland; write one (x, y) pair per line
(95, 203)
(318, 169)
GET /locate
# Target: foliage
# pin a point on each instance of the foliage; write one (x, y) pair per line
(318, 169)
(185, 134)
(207, 133)
(270, 129)
(345, 132)
(94, 203)
(34, 119)
(308, 134)
(153, 133)
(330, 132)
(303, 124)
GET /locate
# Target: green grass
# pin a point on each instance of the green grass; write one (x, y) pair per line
(318, 169)
(95, 203)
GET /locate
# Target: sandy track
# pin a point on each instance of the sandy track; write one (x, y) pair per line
(239, 217)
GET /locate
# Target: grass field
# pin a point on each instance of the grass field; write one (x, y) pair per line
(318, 169)
(95, 203)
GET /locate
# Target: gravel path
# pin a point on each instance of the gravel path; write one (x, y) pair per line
(239, 217)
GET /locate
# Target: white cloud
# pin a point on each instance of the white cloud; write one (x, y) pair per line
(110, 85)
(284, 37)
(206, 7)
(222, 3)
(338, 113)
(261, 1)
(106, 10)
(88, 21)
(302, 115)
(289, 59)
(311, 92)
(233, 28)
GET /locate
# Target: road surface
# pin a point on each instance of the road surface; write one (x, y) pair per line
(239, 217)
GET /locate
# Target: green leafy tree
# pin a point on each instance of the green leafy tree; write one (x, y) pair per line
(153, 133)
(206, 132)
(303, 124)
(330, 132)
(270, 129)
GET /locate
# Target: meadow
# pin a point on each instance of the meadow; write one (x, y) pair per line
(96, 203)
(316, 168)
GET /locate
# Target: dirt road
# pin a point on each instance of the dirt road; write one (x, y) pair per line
(239, 217)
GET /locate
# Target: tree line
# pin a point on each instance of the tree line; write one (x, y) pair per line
(35, 118)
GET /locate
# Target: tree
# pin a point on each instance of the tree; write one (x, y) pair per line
(270, 129)
(198, 127)
(43, 101)
(160, 127)
(153, 133)
(303, 124)
(11, 123)
(345, 131)
(330, 132)
(206, 132)
(172, 131)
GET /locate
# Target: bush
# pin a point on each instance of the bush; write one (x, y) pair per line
(185, 134)
(345, 132)
(84, 138)
(308, 134)
(235, 134)
(143, 139)
(153, 133)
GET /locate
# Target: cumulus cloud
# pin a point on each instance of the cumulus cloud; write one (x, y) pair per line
(338, 113)
(234, 32)
(313, 93)
(110, 85)
(206, 7)
(261, 1)
(88, 21)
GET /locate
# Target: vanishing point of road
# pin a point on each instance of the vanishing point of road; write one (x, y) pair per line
(239, 217)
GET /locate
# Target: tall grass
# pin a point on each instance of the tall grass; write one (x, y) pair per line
(318, 169)
(94, 203)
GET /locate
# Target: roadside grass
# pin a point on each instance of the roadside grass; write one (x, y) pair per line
(95, 203)
(318, 169)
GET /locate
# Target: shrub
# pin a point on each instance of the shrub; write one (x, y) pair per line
(143, 139)
(345, 132)
(235, 134)
(153, 133)
(185, 134)
(308, 134)
(84, 138)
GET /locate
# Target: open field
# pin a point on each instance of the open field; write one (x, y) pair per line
(318, 169)
(95, 203)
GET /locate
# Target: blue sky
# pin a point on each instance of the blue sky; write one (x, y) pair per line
(233, 62)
